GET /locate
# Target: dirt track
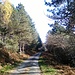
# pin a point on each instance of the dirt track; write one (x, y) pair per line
(28, 67)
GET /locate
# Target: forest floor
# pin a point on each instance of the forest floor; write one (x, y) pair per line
(10, 60)
(47, 63)
(49, 66)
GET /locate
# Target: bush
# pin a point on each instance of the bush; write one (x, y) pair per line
(62, 47)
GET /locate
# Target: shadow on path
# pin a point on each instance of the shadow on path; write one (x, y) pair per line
(28, 67)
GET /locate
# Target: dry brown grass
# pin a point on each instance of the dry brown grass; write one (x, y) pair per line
(61, 69)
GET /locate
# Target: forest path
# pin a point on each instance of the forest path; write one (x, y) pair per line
(28, 67)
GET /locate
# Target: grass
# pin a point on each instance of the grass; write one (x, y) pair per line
(46, 69)
(9, 67)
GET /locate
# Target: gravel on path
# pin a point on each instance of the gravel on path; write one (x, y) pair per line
(28, 67)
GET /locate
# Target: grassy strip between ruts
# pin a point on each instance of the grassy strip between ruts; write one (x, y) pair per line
(45, 69)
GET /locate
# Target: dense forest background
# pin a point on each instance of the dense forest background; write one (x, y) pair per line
(17, 31)
(18, 35)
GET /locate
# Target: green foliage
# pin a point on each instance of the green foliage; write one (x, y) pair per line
(63, 11)
(45, 68)
(9, 67)
(16, 26)
(57, 28)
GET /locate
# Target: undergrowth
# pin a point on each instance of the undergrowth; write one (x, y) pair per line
(45, 68)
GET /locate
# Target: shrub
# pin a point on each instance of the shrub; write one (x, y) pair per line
(62, 47)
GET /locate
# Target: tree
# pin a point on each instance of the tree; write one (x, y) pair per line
(62, 45)
(7, 11)
(27, 31)
(16, 28)
(63, 11)
(57, 28)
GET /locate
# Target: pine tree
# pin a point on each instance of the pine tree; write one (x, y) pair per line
(63, 11)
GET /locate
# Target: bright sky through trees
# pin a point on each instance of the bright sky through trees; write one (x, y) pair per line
(35, 9)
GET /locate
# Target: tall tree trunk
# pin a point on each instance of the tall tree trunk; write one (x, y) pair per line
(23, 48)
(20, 48)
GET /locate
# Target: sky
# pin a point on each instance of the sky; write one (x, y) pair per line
(35, 9)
